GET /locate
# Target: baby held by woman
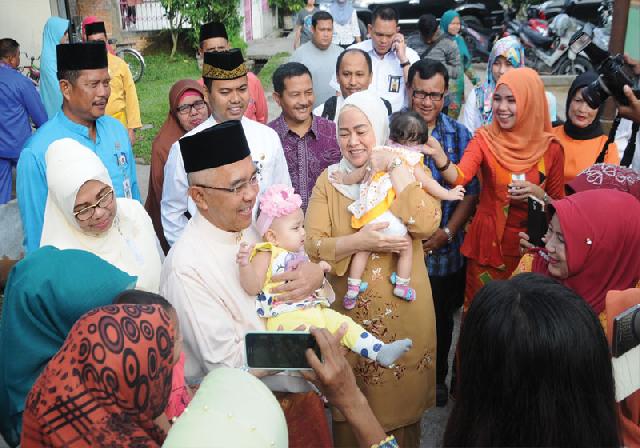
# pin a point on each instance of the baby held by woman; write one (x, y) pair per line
(407, 138)
(280, 223)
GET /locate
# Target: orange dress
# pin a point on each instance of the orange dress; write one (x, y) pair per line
(492, 242)
(581, 154)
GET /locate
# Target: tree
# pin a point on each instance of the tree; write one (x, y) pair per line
(174, 11)
(195, 13)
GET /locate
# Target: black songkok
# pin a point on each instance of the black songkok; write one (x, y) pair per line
(81, 56)
(224, 64)
(94, 28)
(211, 30)
(218, 145)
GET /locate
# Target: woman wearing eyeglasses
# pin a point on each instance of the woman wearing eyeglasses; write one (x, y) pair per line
(83, 213)
(517, 157)
(187, 109)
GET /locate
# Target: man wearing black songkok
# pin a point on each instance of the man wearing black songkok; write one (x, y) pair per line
(225, 77)
(213, 37)
(84, 83)
(200, 275)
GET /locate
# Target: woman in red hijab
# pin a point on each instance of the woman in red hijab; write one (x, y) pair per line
(188, 108)
(515, 156)
(593, 244)
(107, 384)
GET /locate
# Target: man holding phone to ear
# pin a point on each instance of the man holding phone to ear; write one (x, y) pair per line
(390, 56)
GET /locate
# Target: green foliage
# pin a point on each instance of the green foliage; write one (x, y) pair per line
(160, 74)
(288, 5)
(196, 12)
(272, 64)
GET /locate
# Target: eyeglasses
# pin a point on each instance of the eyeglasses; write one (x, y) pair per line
(185, 109)
(434, 96)
(238, 189)
(103, 202)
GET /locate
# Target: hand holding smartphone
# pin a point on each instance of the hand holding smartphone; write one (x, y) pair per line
(279, 350)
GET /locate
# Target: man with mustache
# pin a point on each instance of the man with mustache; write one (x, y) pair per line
(309, 141)
(84, 83)
(428, 83)
(354, 72)
(225, 78)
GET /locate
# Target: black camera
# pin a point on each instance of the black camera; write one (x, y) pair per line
(626, 331)
(614, 74)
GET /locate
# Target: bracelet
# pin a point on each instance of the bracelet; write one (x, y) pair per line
(449, 234)
(546, 199)
(446, 165)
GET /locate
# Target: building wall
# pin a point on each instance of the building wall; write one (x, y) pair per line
(24, 20)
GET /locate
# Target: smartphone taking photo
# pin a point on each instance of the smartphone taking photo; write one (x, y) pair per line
(279, 350)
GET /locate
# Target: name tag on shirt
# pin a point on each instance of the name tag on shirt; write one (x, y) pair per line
(394, 84)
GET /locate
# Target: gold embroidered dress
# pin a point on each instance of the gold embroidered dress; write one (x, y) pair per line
(400, 395)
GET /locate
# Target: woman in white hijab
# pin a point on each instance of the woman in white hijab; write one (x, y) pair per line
(399, 395)
(82, 212)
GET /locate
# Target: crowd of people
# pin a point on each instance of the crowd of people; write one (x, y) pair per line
(378, 184)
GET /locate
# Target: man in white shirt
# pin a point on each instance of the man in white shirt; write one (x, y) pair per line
(390, 56)
(225, 77)
(354, 71)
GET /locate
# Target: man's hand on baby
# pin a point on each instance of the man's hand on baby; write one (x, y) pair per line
(456, 193)
(298, 284)
(432, 147)
(244, 253)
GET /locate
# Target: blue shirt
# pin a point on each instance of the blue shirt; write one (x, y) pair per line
(19, 101)
(454, 138)
(112, 146)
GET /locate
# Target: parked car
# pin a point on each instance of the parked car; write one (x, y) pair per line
(409, 11)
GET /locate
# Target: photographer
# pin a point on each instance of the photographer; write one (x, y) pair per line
(631, 112)
(631, 118)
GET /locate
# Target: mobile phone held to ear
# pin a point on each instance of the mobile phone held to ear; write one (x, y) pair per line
(536, 222)
(279, 350)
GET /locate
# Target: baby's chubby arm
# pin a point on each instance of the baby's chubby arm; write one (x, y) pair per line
(354, 177)
(254, 272)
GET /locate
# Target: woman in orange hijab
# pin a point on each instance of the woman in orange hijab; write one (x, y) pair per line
(188, 108)
(515, 156)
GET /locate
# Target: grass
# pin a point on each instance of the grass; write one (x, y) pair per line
(272, 64)
(153, 94)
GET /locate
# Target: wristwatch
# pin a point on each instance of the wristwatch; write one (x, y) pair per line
(449, 234)
(404, 64)
(395, 163)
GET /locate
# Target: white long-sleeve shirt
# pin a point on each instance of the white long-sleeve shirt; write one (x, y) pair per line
(266, 152)
(622, 140)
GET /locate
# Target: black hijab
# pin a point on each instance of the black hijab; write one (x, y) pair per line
(594, 130)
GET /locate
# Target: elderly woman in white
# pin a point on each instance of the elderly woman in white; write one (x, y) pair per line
(82, 212)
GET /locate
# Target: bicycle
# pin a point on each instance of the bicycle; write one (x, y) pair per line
(132, 57)
(31, 71)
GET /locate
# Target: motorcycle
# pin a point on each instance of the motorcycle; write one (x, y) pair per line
(550, 54)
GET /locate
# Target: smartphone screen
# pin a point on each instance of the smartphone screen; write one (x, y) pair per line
(279, 350)
(536, 222)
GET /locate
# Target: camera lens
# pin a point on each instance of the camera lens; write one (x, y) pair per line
(594, 94)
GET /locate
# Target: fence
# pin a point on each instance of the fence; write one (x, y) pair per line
(144, 15)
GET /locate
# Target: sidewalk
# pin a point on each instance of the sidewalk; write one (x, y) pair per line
(263, 49)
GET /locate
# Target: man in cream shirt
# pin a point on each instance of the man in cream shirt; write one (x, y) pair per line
(200, 276)
(225, 77)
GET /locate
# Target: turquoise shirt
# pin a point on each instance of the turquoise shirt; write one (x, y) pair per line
(112, 145)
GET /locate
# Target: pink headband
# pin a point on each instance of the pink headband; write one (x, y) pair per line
(190, 92)
(276, 202)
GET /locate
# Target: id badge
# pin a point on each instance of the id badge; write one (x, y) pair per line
(394, 84)
(122, 160)
(126, 186)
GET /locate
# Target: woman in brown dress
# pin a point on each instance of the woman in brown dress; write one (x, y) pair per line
(398, 395)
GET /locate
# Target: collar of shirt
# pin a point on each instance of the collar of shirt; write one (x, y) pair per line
(76, 127)
(367, 46)
(5, 65)
(444, 125)
(282, 128)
